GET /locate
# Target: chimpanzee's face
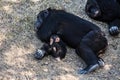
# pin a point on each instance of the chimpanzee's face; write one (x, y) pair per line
(95, 11)
(92, 9)
(55, 46)
(40, 18)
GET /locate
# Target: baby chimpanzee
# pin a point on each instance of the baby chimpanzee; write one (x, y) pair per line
(58, 47)
(55, 48)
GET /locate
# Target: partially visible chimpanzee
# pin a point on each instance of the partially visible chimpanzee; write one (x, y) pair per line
(55, 48)
(86, 38)
(106, 11)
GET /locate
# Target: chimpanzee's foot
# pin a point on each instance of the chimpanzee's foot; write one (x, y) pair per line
(114, 30)
(89, 69)
(39, 54)
(101, 62)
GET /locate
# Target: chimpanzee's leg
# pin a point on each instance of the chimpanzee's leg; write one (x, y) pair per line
(85, 51)
(89, 57)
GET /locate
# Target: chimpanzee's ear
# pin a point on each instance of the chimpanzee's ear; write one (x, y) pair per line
(57, 39)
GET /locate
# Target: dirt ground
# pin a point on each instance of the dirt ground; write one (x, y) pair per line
(18, 44)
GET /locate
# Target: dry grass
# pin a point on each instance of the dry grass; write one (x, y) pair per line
(18, 43)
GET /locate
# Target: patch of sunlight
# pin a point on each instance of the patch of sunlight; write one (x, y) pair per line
(67, 68)
(30, 74)
(8, 8)
(25, 74)
(68, 77)
(2, 38)
(15, 1)
(11, 71)
(12, 56)
(17, 55)
(35, 0)
(107, 66)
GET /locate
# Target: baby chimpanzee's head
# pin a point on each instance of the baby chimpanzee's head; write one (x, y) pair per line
(56, 46)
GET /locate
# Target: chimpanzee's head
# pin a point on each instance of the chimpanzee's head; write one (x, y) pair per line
(57, 49)
(41, 17)
(92, 9)
(54, 39)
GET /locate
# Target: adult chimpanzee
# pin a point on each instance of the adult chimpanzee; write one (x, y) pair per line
(86, 38)
(106, 11)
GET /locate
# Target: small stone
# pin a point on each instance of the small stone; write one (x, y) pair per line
(45, 70)
(46, 63)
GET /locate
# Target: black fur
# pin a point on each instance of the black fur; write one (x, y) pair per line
(48, 49)
(60, 48)
(106, 11)
(77, 33)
